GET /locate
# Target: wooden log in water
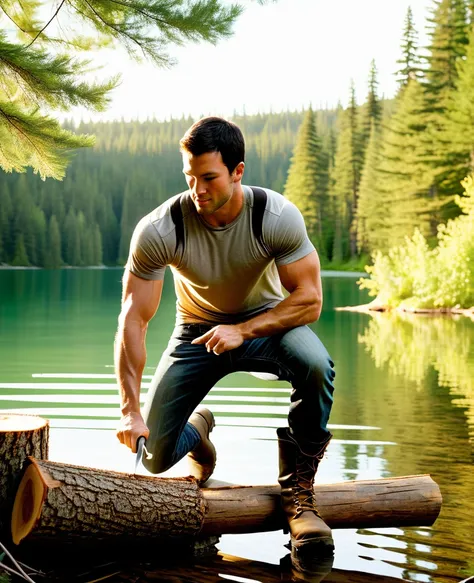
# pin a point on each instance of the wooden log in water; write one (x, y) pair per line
(71, 502)
(401, 501)
(20, 436)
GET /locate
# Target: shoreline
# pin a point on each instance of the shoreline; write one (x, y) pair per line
(374, 307)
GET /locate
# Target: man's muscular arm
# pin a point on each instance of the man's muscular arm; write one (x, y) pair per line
(302, 279)
(140, 300)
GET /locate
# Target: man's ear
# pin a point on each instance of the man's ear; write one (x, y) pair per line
(238, 172)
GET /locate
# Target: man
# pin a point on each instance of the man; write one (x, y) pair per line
(231, 316)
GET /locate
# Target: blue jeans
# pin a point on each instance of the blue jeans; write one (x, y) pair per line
(187, 372)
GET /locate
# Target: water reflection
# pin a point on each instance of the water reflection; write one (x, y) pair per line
(413, 345)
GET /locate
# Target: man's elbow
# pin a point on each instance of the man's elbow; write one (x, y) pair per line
(130, 317)
(314, 308)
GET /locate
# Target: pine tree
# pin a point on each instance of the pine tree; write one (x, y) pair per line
(307, 181)
(372, 225)
(403, 177)
(97, 246)
(72, 240)
(53, 255)
(449, 40)
(346, 176)
(460, 120)
(410, 61)
(20, 258)
(40, 72)
(5, 218)
(40, 228)
(372, 109)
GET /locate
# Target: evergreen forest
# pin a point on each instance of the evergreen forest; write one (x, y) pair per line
(366, 175)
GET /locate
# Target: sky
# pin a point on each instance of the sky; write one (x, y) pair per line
(283, 55)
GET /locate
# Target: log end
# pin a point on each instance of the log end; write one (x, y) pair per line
(11, 422)
(28, 503)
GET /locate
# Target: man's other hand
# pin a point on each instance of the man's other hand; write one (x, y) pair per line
(221, 339)
(131, 427)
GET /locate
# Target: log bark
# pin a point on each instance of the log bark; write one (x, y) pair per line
(20, 436)
(71, 502)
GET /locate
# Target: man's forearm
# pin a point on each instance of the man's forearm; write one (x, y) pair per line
(297, 309)
(130, 358)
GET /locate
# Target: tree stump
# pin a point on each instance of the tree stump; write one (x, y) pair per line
(20, 436)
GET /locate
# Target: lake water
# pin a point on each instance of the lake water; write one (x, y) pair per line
(404, 404)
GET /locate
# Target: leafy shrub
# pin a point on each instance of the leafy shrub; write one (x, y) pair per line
(413, 275)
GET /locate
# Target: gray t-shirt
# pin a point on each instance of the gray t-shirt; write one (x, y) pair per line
(223, 275)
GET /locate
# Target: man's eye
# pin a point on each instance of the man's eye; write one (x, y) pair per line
(209, 178)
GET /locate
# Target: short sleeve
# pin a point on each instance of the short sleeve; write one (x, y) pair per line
(288, 239)
(148, 256)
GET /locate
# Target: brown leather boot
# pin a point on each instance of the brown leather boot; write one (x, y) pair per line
(202, 460)
(310, 535)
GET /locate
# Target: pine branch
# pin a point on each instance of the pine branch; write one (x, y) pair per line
(47, 24)
(11, 18)
(37, 141)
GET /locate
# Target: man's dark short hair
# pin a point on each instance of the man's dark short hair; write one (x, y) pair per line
(215, 134)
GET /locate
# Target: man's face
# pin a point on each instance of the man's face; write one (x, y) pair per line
(209, 181)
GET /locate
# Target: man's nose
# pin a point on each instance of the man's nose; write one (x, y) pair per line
(200, 187)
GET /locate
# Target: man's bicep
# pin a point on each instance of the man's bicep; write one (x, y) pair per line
(140, 297)
(303, 273)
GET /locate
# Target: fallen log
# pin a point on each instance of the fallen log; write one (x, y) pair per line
(20, 436)
(72, 502)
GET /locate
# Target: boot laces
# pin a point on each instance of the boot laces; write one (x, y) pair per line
(303, 484)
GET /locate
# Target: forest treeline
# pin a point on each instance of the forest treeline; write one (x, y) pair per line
(365, 176)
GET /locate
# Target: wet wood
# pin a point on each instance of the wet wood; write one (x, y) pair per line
(403, 501)
(20, 436)
(71, 502)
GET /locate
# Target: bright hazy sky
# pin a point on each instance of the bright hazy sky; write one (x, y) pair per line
(282, 56)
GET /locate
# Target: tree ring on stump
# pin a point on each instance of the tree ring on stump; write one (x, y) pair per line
(28, 503)
(10, 422)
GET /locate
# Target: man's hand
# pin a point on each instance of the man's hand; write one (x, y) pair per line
(131, 427)
(221, 338)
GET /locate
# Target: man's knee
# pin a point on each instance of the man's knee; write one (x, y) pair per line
(158, 463)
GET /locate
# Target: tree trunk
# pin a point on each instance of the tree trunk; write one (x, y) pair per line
(20, 436)
(70, 503)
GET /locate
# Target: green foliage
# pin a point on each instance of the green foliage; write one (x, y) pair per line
(414, 276)
(40, 71)
(307, 183)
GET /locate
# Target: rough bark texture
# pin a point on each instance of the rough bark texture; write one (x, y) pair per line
(84, 502)
(404, 501)
(17, 442)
